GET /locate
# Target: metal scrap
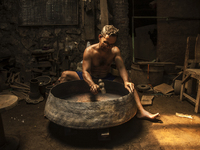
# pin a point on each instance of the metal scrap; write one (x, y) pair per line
(184, 115)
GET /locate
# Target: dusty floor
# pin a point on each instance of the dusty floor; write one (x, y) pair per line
(27, 122)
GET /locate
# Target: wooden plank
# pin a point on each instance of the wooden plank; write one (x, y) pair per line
(20, 95)
(186, 78)
(197, 49)
(197, 99)
(19, 87)
(83, 13)
(189, 97)
(89, 23)
(147, 99)
(104, 13)
(179, 74)
(164, 88)
(182, 91)
(22, 84)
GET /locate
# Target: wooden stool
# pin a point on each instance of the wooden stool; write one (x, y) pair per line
(10, 142)
(191, 72)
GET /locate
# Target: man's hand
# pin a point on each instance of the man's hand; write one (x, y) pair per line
(94, 89)
(129, 86)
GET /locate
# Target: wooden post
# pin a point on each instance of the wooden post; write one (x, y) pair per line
(104, 13)
(2, 134)
(197, 99)
(89, 21)
(83, 13)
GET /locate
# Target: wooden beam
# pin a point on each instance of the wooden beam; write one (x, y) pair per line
(104, 13)
(89, 21)
(186, 79)
(197, 99)
(190, 98)
(83, 13)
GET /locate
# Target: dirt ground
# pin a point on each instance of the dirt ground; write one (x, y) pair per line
(35, 132)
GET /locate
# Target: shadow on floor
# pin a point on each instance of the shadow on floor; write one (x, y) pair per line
(89, 138)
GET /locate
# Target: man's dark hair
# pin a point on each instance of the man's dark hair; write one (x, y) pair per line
(109, 30)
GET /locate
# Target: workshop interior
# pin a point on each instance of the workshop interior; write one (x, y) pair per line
(159, 43)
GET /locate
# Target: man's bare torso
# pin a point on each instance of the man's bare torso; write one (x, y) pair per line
(101, 60)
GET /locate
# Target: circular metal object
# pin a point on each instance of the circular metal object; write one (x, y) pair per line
(71, 104)
(143, 87)
(43, 80)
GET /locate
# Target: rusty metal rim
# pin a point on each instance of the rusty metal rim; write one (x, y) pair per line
(56, 120)
(89, 115)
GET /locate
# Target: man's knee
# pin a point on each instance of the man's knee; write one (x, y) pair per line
(65, 74)
(69, 76)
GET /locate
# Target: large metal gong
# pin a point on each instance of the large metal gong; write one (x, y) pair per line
(71, 104)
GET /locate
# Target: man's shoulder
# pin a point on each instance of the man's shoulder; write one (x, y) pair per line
(92, 48)
(115, 50)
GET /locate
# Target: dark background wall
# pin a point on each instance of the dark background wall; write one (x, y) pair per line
(69, 42)
(19, 41)
(144, 30)
(184, 21)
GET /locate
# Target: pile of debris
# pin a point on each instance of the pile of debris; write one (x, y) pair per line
(12, 81)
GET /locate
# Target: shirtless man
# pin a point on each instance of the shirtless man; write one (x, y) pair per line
(97, 60)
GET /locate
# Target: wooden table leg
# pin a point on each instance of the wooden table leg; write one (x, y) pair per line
(7, 142)
(2, 134)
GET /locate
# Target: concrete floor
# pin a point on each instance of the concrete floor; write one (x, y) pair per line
(35, 132)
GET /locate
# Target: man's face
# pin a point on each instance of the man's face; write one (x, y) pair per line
(107, 42)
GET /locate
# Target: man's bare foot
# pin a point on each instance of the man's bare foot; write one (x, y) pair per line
(147, 115)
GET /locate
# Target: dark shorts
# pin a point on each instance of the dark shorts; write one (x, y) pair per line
(108, 77)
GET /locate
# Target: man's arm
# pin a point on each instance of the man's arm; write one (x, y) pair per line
(86, 69)
(122, 71)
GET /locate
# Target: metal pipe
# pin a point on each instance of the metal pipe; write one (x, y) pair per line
(167, 18)
(151, 17)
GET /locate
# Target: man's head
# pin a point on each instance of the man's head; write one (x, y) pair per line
(109, 30)
(108, 36)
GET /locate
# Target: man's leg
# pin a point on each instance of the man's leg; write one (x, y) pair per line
(69, 76)
(142, 113)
